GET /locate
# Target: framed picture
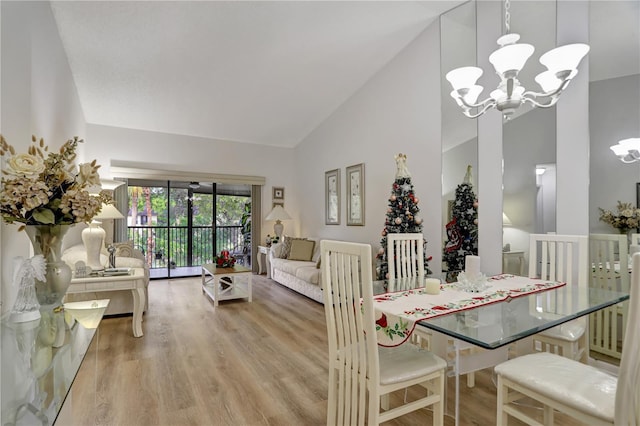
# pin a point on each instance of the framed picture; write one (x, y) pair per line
(278, 203)
(332, 197)
(355, 195)
(278, 193)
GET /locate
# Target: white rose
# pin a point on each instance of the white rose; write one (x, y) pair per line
(88, 175)
(25, 165)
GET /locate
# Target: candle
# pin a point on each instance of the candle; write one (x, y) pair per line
(472, 266)
(432, 285)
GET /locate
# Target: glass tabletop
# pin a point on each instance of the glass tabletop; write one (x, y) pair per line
(498, 324)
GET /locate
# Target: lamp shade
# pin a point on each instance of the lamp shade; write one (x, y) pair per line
(511, 57)
(109, 211)
(278, 213)
(505, 220)
(564, 57)
(464, 77)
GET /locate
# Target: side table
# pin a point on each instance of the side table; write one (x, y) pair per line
(264, 266)
(236, 283)
(133, 282)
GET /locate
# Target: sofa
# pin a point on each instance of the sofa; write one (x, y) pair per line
(121, 302)
(299, 273)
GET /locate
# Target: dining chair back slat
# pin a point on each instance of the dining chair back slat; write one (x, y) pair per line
(405, 255)
(556, 257)
(358, 374)
(610, 271)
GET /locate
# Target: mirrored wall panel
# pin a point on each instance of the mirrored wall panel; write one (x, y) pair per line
(459, 133)
(614, 106)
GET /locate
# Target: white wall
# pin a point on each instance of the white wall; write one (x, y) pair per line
(398, 110)
(38, 97)
(190, 153)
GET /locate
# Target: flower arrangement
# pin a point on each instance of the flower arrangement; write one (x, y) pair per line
(625, 217)
(47, 188)
(225, 260)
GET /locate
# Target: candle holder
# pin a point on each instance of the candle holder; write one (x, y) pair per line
(473, 283)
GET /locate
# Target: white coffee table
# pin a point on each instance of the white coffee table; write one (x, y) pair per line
(133, 282)
(236, 286)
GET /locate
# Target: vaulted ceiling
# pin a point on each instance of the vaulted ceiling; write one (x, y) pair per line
(264, 72)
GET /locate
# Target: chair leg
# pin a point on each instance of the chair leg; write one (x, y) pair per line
(331, 403)
(374, 407)
(548, 415)
(502, 396)
(438, 407)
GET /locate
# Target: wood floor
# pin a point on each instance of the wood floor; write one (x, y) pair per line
(259, 363)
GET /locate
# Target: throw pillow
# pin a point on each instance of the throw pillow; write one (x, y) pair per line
(124, 249)
(286, 245)
(301, 250)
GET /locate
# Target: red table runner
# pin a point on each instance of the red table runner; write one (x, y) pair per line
(397, 313)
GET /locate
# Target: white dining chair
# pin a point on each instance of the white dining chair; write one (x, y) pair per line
(590, 395)
(610, 271)
(405, 259)
(361, 372)
(635, 239)
(556, 257)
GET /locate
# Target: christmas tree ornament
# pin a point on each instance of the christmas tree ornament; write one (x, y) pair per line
(392, 198)
(398, 221)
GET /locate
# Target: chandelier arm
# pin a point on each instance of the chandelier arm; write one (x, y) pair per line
(482, 111)
(482, 104)
(537, 104)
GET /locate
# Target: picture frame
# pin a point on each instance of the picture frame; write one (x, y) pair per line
(278, 193)
(332, 197)
(355, 195)
(277, 203)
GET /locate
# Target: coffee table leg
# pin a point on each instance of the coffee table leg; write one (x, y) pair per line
(138, 307)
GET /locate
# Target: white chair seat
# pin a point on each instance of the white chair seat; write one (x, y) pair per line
(570, 331)
(407, 362)
(561, 379)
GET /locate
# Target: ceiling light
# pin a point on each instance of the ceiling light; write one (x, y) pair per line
(561, 62)
(627, 150)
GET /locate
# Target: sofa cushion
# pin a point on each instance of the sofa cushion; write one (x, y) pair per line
(310, 274)
(286, 245)
(301, 250)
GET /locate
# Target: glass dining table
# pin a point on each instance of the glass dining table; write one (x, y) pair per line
(496, 325)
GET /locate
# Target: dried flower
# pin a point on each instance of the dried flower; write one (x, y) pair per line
(627, 216)
(47, 188)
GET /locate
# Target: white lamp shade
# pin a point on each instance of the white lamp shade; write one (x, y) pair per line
(464, 77)
(472, 95)
(548, 81)
(88, 313)
(109, 211)
(511, 57)
(278, 213)
(564, 57)
(505, 220)
(624, 146)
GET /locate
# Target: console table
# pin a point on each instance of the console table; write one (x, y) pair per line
(36, 376)
(134, 282)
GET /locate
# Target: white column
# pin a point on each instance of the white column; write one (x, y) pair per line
(489, 21)
(572, 110)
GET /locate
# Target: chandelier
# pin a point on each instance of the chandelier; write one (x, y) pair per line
(627, 150)
(561, 62)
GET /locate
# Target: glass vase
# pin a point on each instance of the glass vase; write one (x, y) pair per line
(47, 241)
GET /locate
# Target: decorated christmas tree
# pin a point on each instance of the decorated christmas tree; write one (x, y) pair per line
(462, 230)
(402, 214)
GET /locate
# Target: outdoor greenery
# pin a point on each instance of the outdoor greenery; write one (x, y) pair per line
(155, 211)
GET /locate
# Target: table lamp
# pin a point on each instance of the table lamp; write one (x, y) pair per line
(93, 236)
(278, 213)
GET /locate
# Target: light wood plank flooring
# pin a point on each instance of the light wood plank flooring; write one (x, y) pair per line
(259, 363)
